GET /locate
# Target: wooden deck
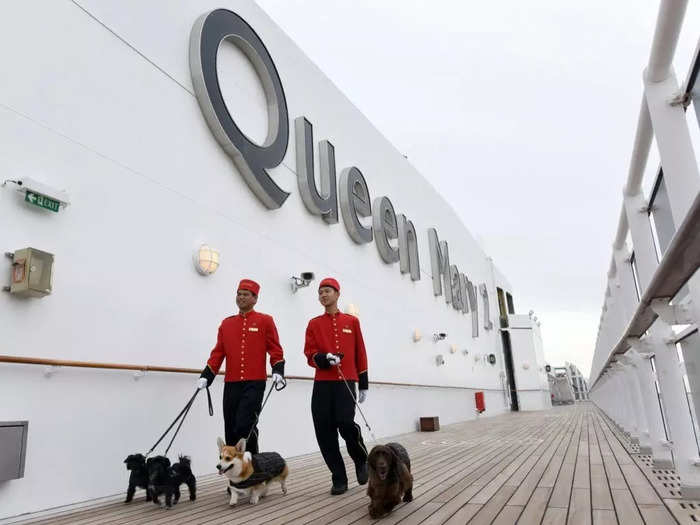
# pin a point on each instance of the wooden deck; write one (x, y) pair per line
(566, 465)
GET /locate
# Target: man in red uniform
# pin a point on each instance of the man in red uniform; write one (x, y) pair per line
(243, 341)
(335, 348)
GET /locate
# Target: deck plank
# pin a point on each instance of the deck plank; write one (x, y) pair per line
(604, 517)
(580, 510)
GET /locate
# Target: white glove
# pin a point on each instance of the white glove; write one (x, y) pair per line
(277, 378)
(363, 396)
(333, 359)
(201, 383)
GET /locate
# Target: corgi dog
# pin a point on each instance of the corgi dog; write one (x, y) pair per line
(250, 474)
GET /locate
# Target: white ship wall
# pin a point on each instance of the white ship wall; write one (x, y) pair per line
(113, 120)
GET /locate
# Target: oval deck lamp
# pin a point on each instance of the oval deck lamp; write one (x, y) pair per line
(206, 259)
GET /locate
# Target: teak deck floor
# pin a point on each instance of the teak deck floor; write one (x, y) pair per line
(566, 465)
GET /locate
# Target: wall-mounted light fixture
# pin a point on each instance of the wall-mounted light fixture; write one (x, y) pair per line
(465, 352)
(417, 336)
(206, 259)
(526, 365)
(439, 360)
(492, 359)
(439, 336)
(301, 282)
(453, 349)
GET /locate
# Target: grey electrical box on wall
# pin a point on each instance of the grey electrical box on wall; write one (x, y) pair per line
(13, 449)
(31, 273)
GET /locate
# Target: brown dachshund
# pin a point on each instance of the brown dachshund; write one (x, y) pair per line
(390, 478)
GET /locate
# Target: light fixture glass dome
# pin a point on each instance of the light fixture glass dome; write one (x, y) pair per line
(206, 259)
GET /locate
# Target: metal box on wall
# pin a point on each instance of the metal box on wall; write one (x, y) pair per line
(31, 273)
(430, 424)
(13, 449)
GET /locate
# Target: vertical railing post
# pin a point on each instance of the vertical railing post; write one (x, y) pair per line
(642, 427)
(660, 452)
(682, 435)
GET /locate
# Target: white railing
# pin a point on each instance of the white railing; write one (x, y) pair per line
(652, 298)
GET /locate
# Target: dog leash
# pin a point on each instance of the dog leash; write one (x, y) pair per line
(352, 395)
(276, 386)
(181, 417)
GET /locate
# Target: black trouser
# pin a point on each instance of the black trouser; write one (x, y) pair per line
(242, 400)
(333, 411)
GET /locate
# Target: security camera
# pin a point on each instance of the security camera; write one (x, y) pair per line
(300, 282)
(439, 336)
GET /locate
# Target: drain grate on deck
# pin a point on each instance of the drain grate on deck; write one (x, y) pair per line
(645, 460)
(686, 512)
(666, 482)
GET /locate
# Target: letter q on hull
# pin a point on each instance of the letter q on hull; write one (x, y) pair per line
(251, 159)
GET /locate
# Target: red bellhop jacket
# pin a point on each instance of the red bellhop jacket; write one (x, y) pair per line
(338, 334)
(243, 341)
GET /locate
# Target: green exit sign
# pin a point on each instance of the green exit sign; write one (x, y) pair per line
(42, 201)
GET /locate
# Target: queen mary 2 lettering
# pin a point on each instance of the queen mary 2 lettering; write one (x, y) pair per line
(393, 234)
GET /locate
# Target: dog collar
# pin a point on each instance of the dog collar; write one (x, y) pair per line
(227, 469)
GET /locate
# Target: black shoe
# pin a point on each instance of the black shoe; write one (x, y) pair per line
(362, 473)
(339, 488)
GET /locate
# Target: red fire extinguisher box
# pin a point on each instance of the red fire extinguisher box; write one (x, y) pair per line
(479, 402)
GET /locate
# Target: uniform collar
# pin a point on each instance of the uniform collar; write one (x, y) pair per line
(245, 316)
(332, 315)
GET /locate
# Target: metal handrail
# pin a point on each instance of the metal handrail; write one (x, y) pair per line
(679, 264)
(181, 370)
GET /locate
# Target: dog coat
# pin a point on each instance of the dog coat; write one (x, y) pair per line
(266, 466)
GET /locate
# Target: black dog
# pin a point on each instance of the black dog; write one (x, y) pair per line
(138, 479)
(166, 479)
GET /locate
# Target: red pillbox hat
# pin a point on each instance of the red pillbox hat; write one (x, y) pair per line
(251, 286)
(329, 281)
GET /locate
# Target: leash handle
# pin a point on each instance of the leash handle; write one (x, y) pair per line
(211, 406)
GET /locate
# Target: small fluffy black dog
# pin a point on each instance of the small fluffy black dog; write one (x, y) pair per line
(138, 479)
(166, 479)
